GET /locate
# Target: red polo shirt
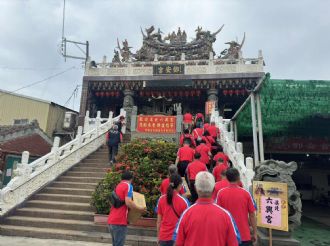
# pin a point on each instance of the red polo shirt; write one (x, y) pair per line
(213, 130)
(206, 126)
(206, 223)
(221, 155)
(198, 132)
(218, 186)
(194, 168)
(187, 118)
(164, 185)
(239, 203)
(186, 153)
(118, 216)
(219, 168)
(169, 218)
(203, 149)
(183, 136)
(200, 116)
(209, 140)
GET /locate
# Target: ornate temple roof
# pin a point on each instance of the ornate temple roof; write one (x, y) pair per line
(174, 46)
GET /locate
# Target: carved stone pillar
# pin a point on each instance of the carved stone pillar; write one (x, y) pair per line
(212, 95)
(128, 106)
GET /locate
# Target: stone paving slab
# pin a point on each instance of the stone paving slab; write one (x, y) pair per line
(24, 241)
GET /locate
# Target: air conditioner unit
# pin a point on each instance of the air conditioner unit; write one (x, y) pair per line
(70, 120)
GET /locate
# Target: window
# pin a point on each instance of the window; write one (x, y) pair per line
(21, 121)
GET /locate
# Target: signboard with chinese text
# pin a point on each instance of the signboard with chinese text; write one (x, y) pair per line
(272, 203)
(156, 124)
(168, 69)
(209, 106)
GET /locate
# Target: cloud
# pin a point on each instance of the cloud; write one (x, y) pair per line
(293, 35)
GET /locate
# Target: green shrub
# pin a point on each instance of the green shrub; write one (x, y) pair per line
(148, 159)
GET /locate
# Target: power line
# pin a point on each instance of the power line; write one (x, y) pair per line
(39, 81)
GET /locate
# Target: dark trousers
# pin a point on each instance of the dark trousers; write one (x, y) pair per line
(246, 243)
(166, 243)
(182, 166)
(118, 234)
(193, 192)
(113, 150)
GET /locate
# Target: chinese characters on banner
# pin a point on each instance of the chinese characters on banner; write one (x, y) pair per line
(272, 203)
(209, 106)
(164, 69)
(156, 124)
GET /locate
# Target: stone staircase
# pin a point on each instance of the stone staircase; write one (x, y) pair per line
(62, 210)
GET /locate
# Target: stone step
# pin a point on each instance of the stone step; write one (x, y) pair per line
(79, 179)
(86, 174)
(46, 233)
(96, 161)
(79, 225)
(83, 168)
(62, 197)
(74, 185)
(57, 190)
(96, 164)
(54, 213)
(60, 205)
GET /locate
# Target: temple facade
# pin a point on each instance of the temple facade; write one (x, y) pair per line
(168, 73)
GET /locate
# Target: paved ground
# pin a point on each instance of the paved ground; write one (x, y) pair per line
(24, 241)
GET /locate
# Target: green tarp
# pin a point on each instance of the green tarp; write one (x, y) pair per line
(291, 108)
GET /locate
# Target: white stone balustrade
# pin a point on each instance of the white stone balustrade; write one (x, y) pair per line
(234, 150)
(29, 178)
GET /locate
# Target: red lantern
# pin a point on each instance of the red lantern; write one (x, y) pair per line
(97, 94)
(107, 93)
(225, 92)
(237, 92)
(230, 92)
(175, 93)
(186, 93)
(117, 93)
(198, 93)
(192, 93)
(112, 93)
(102, 93)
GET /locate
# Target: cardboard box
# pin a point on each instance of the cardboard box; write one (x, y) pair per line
(188, 194)
(139, 200)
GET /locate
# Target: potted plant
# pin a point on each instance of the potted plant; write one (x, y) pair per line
(148, 159)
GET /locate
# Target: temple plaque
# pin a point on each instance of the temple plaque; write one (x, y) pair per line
(156, 124)
(168, 69)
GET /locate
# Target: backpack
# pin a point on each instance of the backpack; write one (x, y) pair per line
(115, 200)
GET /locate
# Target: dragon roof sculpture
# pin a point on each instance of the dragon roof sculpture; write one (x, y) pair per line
(172, 46)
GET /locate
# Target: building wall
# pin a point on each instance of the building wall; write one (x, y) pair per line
(55, 118)
(16, 107)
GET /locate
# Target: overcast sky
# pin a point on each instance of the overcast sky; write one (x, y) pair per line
(293, 35)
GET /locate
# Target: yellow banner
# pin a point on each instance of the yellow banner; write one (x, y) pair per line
(272, 203)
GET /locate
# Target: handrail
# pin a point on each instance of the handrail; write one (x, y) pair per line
(234, 150)
(29, 178)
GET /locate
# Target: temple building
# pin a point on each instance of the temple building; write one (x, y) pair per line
(169, 73)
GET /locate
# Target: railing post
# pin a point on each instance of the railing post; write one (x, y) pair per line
(98, 122)
(110, 116)
(78, 137)
(55, 148)
(239, 147)
(86, 122)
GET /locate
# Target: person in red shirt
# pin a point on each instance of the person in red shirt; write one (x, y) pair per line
(240, 204)
(213, 130)
(192, 170)
(220, 185)
(169, 209)
(172, 169)
(189, 137)
(185, 155)
(206, 126)
(187, 121)
(206, 223)
(221, 155)
(208, 139)
(219, 168)
(199, 120)
(205, 152)
(198, 134)
(117, 219)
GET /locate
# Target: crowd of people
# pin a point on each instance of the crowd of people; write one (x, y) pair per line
(218, 211)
